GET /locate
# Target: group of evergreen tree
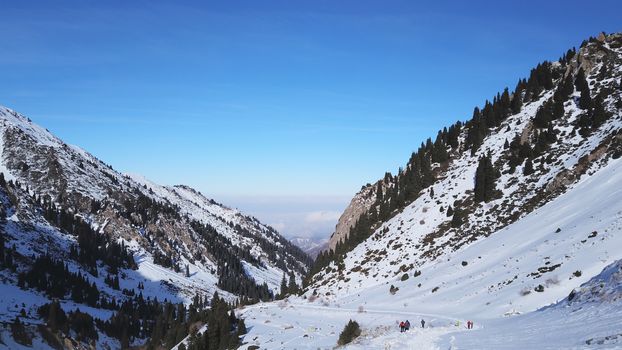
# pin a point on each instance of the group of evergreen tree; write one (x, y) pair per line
(290, 288)
(223, 328)
(165, 324)
(164, 260)
(92, 245)
(53, 277)
(595, 113)
(112, 281)
(232, 275)
(82, 324)
(142, 209)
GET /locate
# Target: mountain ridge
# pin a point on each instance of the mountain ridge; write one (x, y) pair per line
(120, 236)
(426, 229)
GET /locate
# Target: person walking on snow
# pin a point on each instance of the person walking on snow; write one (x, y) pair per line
(407, 325)
(401, 326)
(422, 323)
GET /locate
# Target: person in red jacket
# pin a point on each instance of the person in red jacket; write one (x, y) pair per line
(401, 326)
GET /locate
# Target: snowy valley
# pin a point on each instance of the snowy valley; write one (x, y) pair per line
(511, 220)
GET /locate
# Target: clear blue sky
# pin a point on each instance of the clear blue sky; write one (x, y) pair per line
(255, 99)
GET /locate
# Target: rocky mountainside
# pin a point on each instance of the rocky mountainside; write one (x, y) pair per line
(122, 235)
(513, 208)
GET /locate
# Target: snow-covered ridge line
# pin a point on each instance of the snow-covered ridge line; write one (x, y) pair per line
(418, 249)
(184, 244)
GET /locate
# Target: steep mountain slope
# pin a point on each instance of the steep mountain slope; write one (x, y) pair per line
(168, 242)
(499, 216)
(531, 159)
(521, 257)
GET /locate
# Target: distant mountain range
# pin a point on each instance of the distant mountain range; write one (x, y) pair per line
(311, 246)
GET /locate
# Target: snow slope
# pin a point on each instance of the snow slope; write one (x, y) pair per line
(545, 235)
(504, 317)
(504, 266)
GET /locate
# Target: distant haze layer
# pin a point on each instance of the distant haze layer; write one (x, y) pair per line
(293, 216)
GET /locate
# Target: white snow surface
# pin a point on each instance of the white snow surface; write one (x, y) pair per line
(504, 318)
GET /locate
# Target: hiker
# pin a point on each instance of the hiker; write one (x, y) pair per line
(469, 324)
(402, 326)
(407, 325)
(422, 323)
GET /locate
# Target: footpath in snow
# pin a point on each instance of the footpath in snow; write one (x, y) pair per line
(300, 325)
(293, 325)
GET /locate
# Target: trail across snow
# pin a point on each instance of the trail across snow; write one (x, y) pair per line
(295, 325)
(300, 325)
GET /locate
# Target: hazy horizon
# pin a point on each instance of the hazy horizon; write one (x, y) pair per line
(255, 101)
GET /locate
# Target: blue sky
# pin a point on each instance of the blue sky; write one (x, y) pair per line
(261, 103)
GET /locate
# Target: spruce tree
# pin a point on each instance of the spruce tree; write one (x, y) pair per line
(456, 220)
(543, 116)
(349, 333)
(580, 81)
(283, 287)
(56, 316)
(585, 101)
(293, 287)
(566, 88)
(557, 109)
(485, 177)
(241, 327)
(599, 113)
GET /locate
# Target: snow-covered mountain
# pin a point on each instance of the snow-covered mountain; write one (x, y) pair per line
(311, 246)
(537, 224)
(500, 216)
(58, 200)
